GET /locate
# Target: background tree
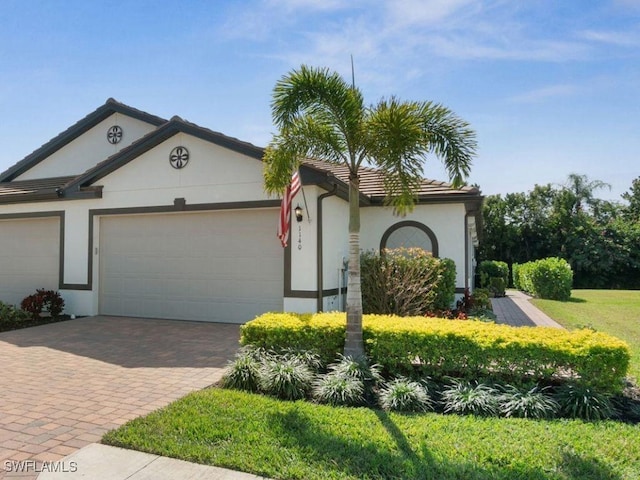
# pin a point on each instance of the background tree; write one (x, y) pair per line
(632, 211)
(600, 242)
(319, 115)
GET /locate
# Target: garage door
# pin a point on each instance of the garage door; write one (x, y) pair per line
(224, 266)
(29, 257)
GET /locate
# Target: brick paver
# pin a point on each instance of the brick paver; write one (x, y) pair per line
(516, 310)
(64, 385)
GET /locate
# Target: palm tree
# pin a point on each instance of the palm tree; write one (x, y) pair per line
(583, 190)
(321, 116)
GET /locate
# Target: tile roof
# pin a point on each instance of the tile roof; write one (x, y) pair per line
(372, 183)
(26, 187)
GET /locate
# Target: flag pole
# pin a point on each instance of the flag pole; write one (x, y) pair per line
(304, 197)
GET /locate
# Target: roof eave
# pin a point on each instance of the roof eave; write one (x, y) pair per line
(103, 112)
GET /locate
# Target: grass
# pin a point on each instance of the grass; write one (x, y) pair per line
(612, 311)
(301, 440)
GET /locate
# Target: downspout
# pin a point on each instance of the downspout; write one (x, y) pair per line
(467, 259)
(319, 255)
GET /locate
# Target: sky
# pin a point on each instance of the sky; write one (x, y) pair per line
(550, 87)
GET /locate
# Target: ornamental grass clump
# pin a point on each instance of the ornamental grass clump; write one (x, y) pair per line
(533, 403)
(336, 388)
(403, 394)
(243, 372)
(465, 398)
(582, 401)
(288, 378)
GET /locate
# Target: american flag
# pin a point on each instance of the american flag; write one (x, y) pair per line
(285, 208)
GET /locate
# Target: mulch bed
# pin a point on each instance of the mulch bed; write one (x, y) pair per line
(7, 327)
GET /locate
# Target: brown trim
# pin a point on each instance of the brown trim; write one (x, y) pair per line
(411, 223)
(178, 206)
(301, 294)
(60, 214)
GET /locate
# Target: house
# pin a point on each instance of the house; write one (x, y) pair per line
(126, 213)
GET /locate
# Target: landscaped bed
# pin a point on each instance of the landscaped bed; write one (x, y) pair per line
(301, 440)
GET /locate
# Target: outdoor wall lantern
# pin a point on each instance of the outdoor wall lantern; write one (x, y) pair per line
(298, 212)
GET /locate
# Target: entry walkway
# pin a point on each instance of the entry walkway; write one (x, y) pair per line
(515, 309)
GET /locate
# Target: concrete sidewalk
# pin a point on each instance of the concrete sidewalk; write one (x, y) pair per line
(103, 462)
(515, 309)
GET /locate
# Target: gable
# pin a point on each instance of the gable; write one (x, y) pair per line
(27, 168)
(89, 149)
(213, 173)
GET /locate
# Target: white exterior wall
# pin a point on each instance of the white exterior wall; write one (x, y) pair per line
(336, 243)
(89, 149)
(213, 175)
(445, 220)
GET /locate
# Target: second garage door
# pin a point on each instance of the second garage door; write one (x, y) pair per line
(29, 257)
(224, 266)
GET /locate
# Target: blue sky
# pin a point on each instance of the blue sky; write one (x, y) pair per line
(551, 87)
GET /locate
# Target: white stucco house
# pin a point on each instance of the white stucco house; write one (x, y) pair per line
(126, 213)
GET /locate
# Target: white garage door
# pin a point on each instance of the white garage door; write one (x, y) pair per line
(224, 266)
(29, 257)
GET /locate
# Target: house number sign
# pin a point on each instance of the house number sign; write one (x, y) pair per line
(179, 157)
(299, 237)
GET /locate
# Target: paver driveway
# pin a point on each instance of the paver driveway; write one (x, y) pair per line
(65, 384)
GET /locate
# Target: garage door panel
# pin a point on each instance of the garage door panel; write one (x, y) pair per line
(29, 257)
(212, 266)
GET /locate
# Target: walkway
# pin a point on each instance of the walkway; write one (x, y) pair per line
(515, 309)
(66, 384)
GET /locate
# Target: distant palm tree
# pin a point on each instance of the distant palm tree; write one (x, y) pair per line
(583, 189)
(321, 116)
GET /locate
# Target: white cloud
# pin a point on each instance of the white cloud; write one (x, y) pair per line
(620, 39)
(552, 91)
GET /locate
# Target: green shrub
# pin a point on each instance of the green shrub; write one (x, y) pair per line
(497, 286)
(582, 401)
(405, 395)
(465, 398)
(411, 346)
(489, 269)
(321, 334)
(549, 278)
(533, 403)
(516, 273)
(11, 316)
(481, 298)
(406, 282)
(43, 300)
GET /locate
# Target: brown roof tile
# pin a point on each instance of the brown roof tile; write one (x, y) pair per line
(372, 184)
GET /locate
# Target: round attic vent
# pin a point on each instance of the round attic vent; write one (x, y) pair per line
(179, 157)
(114, 134)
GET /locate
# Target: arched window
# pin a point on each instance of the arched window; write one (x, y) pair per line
(410, 234)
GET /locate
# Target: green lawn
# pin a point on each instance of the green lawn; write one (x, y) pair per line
(300, 440)
(613, 311)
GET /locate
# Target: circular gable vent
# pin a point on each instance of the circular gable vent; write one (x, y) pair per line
(114, 134)
(179, 157)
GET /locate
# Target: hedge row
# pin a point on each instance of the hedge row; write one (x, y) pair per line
(550, 278)
(463, 349)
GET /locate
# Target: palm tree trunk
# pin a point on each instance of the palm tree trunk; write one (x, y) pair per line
(354, 345)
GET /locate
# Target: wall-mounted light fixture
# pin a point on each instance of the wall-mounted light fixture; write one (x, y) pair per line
(298, 212)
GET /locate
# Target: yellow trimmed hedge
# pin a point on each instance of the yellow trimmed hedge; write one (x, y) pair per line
(464, 349)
